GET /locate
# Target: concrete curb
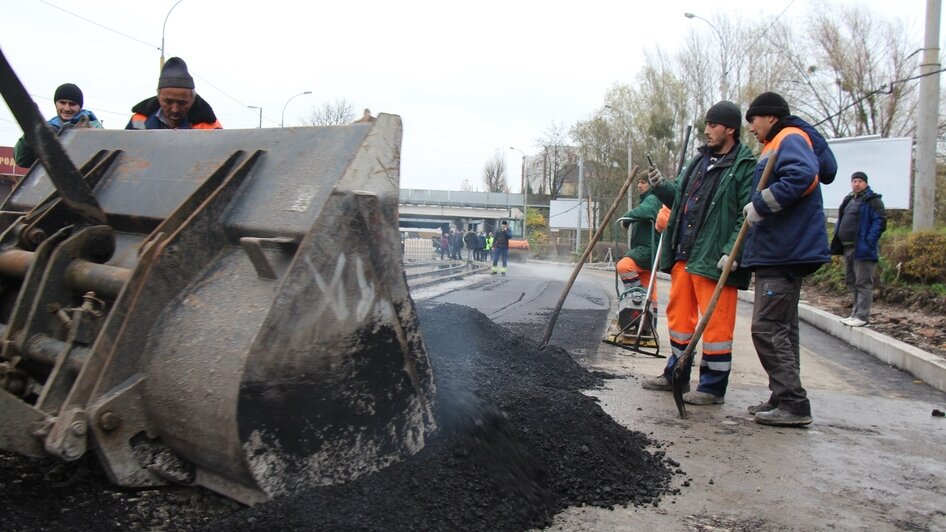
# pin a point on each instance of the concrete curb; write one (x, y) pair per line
(925, 366)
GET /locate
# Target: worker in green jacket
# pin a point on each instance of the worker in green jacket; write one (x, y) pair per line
(635, 268)
(707, 199)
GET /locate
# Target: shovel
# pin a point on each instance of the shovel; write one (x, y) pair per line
(687, 355)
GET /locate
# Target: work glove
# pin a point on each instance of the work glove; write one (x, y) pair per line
(752, 215)
(655, 177)
(722, 263)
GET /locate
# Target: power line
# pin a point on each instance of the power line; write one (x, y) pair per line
(886, 88)
(101, 25)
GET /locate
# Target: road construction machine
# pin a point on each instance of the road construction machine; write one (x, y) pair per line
(225, 309)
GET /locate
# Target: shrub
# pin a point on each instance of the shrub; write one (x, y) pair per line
(926, 260)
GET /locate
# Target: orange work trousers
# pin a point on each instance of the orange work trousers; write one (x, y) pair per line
(689, 296)
(633, 275)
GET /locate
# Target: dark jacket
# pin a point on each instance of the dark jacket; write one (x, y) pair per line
(470, 240)
(644, 237)
(792, 231)
(721, 221)
(871, 223)
(501, 238)
(200, 116)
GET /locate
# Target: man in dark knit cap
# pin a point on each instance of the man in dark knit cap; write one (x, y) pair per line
(787, 240)
(706, 200)
(177, 105)
(862, 218)
(69, 113)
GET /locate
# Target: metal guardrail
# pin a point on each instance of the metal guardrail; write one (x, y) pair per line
(422, 273)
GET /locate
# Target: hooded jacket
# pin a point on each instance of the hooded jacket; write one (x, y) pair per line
(721, 221)
(792, 230)
(871, 223)
(200, 116)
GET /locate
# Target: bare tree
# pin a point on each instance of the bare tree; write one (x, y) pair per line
(494, 174)
(560, 159)
(849, 72)
(340, 111)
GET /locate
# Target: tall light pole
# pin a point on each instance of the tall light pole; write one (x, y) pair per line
(525, 195)
(282, 120)
(260, 114)
(163, 26)
(723, 80)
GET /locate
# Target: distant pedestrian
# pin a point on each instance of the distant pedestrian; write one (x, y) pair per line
(470, 240)
(787, 240)
(444, 244)
(68, 100)
(456, 245)
(861, 220)
(489, 245)
(481, 245)
(501, 247)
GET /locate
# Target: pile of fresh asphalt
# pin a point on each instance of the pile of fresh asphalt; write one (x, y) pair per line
(517, 443)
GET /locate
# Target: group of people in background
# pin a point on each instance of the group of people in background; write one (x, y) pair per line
(175, 106)
(787, 240)
(482, 246)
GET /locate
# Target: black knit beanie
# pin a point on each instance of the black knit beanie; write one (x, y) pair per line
(725, 113)
(859, 175)
(174, 74)
(768, 104)
(68, 91)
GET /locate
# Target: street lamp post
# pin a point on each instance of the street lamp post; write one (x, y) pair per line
(260, 114)
(723, 80)
(282, 120)
(525, 194)
(161, 66)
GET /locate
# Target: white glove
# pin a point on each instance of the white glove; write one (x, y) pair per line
(655, 177)
(752, 215)
(722, 263)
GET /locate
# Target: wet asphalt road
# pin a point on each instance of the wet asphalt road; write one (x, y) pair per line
(874, 458)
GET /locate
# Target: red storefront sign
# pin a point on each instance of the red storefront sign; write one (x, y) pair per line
(7, 166)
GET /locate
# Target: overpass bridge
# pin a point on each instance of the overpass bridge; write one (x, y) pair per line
(439, 209)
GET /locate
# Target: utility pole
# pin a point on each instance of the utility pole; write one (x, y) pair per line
(924, 181)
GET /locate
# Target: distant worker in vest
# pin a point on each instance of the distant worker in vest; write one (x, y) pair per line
(861, 220)
(176, 106)
(501, 247)
(68, 100)
(786, 241)
(635, 267)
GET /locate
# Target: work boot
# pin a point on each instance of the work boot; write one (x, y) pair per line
(661, 384)
(761, 407)
(782, 418)
(702, 398)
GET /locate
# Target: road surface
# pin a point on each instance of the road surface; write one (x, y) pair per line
(874, 458)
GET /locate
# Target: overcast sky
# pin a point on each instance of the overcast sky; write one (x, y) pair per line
(467, 79)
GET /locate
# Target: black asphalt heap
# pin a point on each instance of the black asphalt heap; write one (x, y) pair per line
(518, 443)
